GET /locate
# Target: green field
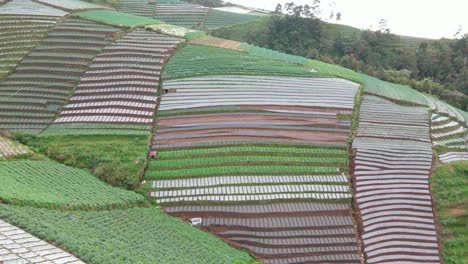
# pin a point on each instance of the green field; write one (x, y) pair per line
(117, 160)
(197, 60)
(397, 92)
(52, 185)
(139, 235)
(450, 189)
(115, 18)
(246, 160)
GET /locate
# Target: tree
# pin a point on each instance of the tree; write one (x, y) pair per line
(278, 9)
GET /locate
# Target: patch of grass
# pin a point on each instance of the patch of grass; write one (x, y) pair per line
(52, 185)
(137, 235)
(117, 160)
(449, 186)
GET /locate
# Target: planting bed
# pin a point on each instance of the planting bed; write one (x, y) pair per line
(17, 246)
(198, 60)
(137, 7)
(30, 8)
(119, 87)
(181, 14)
(31, 96)
(72, 5)
(448, 131)
(218, 19)
(393, 91)
(10, 149)
(49, 184)
(392, 194)
(262, 160)
(22, 32)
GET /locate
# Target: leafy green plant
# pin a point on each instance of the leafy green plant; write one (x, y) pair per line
(136, 235)
(52, 185)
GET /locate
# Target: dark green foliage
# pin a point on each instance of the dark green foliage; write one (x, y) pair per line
(138, 235)
(450, 189)
(117, 160)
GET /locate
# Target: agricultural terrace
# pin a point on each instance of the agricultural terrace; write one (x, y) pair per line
(181, 13)
(448, 184)
(52, 185)
(46, 77)
(118, 92)
(114, 18)
(393, 163)
(137, 7)
(448, 131)
(23, 27)
(252, 155)
(395, 92)
(9, 148)
(138, 235)
(21, 247)
(72, 5)
(197, 60)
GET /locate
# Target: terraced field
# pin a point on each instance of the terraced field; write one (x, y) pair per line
(181, 13)
(45, 78)
(52, 185)
(22, 30)
(118, 92)
(391, 172)
(262, 160)
(137, 7)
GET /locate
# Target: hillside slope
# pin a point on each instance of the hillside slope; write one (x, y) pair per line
(290, 159)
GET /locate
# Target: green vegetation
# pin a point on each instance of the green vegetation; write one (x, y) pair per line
(197, 60)
(393, 91)
(239, 170)
(240, 150)
(450, 188)
(117, 160)
(247, 160)
(52, 185)
(96, 129)
(139, 235)
(115, 18)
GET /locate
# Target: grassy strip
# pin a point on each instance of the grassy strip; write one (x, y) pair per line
(240, 170)
(118, 160)
(138, 235)
(52, 185)
(449, 186)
